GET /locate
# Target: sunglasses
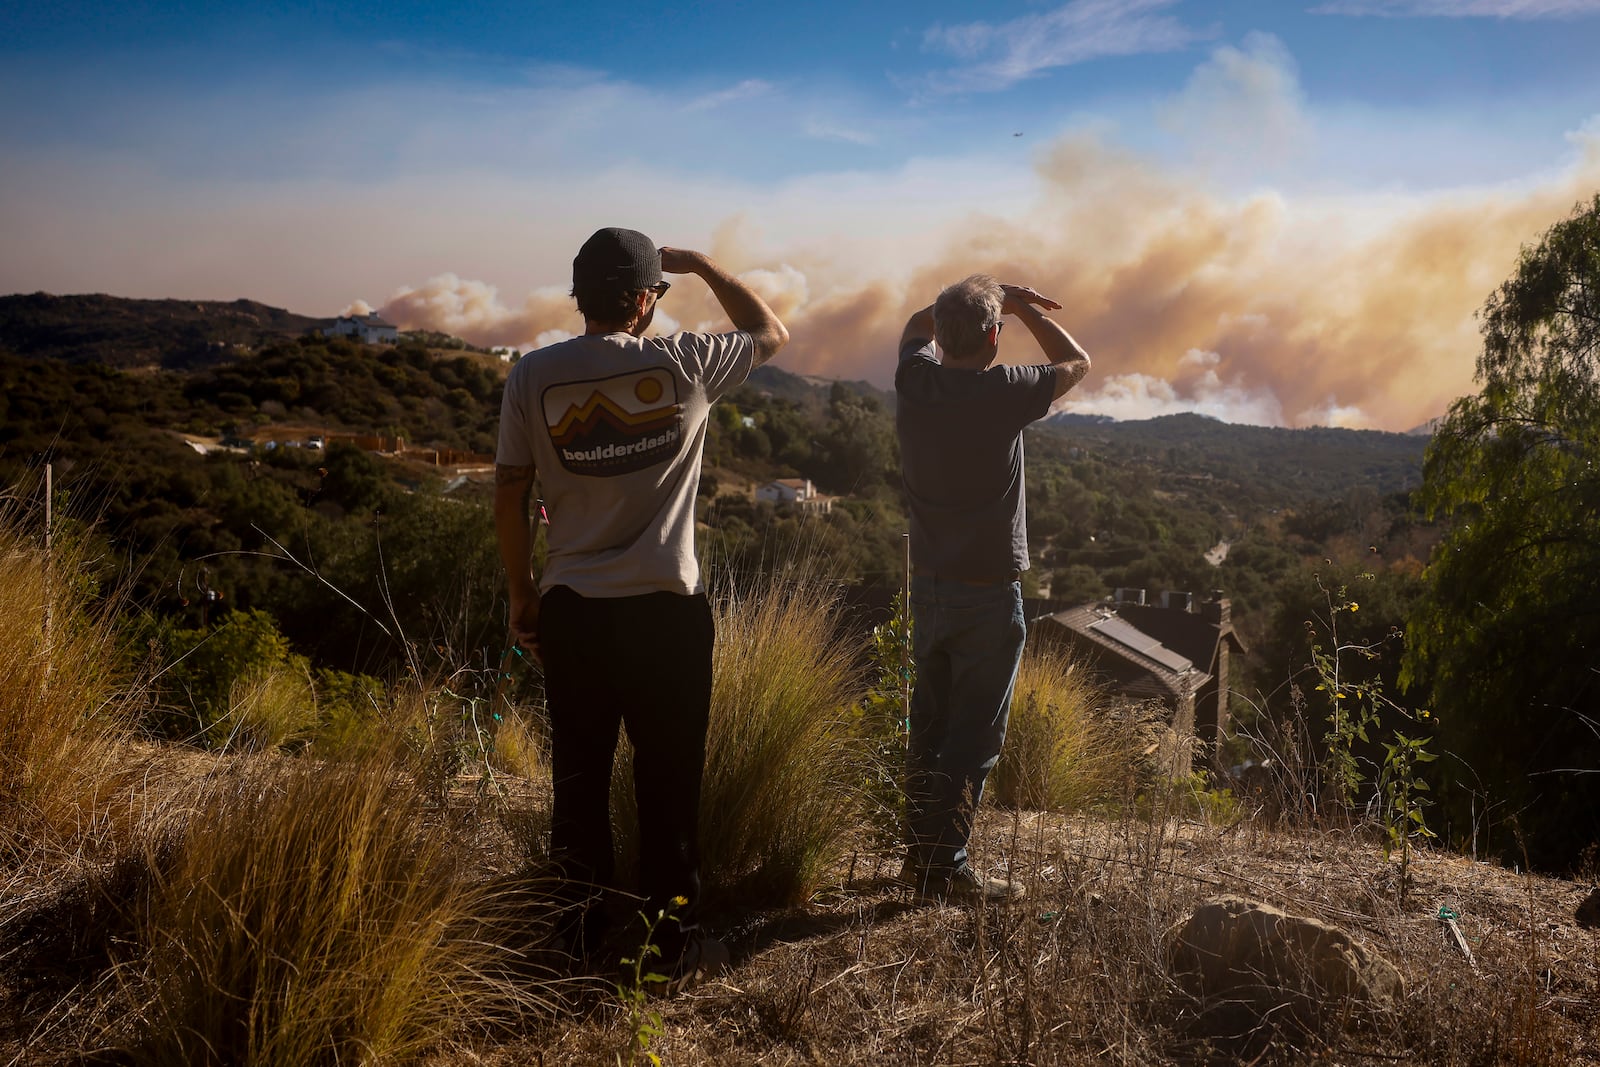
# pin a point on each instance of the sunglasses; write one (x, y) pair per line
(660, 288)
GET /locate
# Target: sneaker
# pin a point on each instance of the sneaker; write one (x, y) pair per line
(704, 959)
(919, 879)
(964, 887)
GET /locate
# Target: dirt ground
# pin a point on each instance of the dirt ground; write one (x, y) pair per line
(1074, 974)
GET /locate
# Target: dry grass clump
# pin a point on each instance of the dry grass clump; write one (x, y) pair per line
(308, 914)
(267, 709)
(782, 790)
(783, 779)
(1063, 750)
(521, 745)
(61, 695)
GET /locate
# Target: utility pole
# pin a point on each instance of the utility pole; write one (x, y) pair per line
(49, 586)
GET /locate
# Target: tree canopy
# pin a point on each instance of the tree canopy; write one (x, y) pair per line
(1507, 635)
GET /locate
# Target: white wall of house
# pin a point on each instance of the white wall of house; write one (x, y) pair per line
(786, 491)
(371, 333)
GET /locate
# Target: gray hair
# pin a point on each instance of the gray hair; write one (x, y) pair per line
(964, 312)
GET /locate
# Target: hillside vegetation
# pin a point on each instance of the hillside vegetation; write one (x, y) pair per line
(334, 556)
(1132, 505)
(367, 886)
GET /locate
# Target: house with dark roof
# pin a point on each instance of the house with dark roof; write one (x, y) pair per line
(370, 328)
(1173, 651)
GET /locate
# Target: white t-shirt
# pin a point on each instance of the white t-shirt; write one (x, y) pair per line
(614, 425)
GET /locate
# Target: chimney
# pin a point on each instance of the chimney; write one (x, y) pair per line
(1216, 610)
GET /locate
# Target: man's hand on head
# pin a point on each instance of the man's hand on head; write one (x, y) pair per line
(681, 260)
(742, 304)
(1018, 297)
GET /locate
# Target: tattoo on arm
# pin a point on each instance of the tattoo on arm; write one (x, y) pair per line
(504, 475)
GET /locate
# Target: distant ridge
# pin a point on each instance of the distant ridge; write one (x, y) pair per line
(807, 388)
(1189, 424)
(1299, 464)
(123, 332)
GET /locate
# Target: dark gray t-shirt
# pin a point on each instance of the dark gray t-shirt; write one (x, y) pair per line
(961, 457)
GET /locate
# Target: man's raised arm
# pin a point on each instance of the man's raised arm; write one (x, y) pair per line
(919, 327)
(1066, 355)
(746, 310)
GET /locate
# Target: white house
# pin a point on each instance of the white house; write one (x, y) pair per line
(796, 492)
(370, 328)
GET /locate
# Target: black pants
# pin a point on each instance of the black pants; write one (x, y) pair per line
(645, 662)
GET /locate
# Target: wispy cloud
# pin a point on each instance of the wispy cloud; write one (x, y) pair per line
(824, 130)
(745, 90)
(1498, 9)
(997, 55)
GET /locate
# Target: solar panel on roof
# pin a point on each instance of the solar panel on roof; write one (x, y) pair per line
(1125, 633)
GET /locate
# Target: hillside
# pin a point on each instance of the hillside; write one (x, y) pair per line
(370, 561)
(360, 873)
(1137, 504)
(120, 332)
(1296, 464)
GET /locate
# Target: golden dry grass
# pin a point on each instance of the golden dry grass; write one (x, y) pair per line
(166, 906)
(308, 913)
(782, 791)
(1063, 750)
(62, 695)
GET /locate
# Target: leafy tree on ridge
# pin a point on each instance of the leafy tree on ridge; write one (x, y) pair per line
(1507, 635)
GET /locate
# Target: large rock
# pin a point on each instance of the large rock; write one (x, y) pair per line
(1252, 967)
(1588, 913)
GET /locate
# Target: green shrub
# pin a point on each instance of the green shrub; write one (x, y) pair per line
(881, 719)
(271, 708)
(1191, 796)
(204, 670)
(349, 711)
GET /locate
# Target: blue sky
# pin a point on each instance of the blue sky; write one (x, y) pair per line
(1274, 212)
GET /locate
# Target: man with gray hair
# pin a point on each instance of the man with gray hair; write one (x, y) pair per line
(960, 418)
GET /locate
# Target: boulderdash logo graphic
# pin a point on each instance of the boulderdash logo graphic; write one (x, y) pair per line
(618, 425)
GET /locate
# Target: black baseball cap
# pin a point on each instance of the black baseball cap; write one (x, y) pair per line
(614, 258)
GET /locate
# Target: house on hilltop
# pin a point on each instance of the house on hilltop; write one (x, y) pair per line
(798, 493)
(1176, 652)
(371, 328)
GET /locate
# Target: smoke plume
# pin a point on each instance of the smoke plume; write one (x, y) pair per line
(1256, 308)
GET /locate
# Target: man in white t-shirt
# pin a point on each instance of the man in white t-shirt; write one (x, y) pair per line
(612, 424)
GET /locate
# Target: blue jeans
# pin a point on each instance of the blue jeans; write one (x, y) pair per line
(968, 641)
